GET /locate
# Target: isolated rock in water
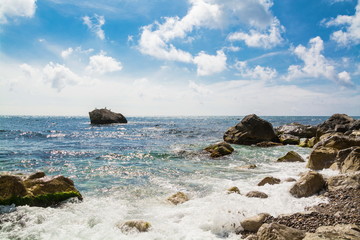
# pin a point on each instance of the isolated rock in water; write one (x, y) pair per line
(340, 231)
(256, 194)
(322, 157)
(251, 130)
(105, 116)
(351, 180)
(309, 184)
(269, 180)
(289, 139)
(297, 129)
(252, 224)
(275, 231)
(134, 225)
(233, 190)
(336, 123)
(178, 198)
(219, 149)
(291, 157)
(352, 161)
(36, 190)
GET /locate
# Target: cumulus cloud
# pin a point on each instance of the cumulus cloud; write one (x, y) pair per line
(315, 64)
(94, 24)
(268, 38)
(16, 8)
(100, 64)
(351, 33)
(258, 72)
(210, 64)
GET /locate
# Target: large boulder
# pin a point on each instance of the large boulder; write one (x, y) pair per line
(338, 182)
(309, 184)
(338, 141)
(288, 139)
(297, 129)
(105, 116)
(336, 123)
(340, 231)
(352, 161)
(291, 157)
(322, 157)
(275, 231)
(219, 149)
(251, 130)
(36, 190)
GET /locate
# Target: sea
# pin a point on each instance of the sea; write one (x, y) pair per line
(127, 172)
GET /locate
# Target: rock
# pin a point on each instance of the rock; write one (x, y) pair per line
(233, 190)
(269, 180)
(339, 142)
(219, 149)
(251, 130)
(309, 184)
(178, 198)
(252, 224)
(340, 231)
(336, 123)
(268, 144)
(250, 166)
(322, 157)
(134, 225)
(289, 179)
(35, 190)
(105, 116)
(351, 180)
(291, 157)
(307, 142)
(256, 194)
(297, 129)
(251, 237)
(275, 231)
(352, 161)
(289, 139)
(355, 133)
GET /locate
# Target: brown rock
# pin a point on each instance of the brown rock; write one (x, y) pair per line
(268, 144)
(351, 180)
(256, 194)
(233, 190)
(352, 161)
(322, 157)
(134, 225)
(308, 184)
(291, 157)
(219, 149)
(178, 198)
(337, 232)
(275, 231)
(105, 116)
(289, 139)
(252, 224)
(11, 186)
(269, 180)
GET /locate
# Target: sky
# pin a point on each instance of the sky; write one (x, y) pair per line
(180, 57)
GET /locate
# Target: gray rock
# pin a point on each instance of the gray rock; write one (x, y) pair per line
(337, 122)
(105, 116)
(289, 139)
(297, 129)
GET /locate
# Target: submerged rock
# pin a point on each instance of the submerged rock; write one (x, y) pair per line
(178, 198)
(277, 231)
(252, 224)
(269, 180)
(245, 167)
(233, 190)
(105, 116)
(251, 130)
(256, 194)
(291, 157)
(219, 149)
(134, 225)
(36, 190)
(309, 184)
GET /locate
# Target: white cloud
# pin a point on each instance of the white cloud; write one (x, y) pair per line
(315, 64)
(94, 24)
(268, 38)
(16, 8)
(199, 89)
(59, 76)
(258, 72)
(100, 64)
(351, 34)
(71, 51)
(210, 64)
(66, 53)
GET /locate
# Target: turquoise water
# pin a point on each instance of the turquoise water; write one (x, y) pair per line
(126, 171)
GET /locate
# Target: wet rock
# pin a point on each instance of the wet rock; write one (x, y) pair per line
(291, 157)
(279, 232)
(322, 157)
(134, 225)
(252, 224)
(268, 144)
(340, 231)
(36, 175)
(307, 142)
(269, 180)
(35, 190)
(289, 139)
(178, 198)
(251, 130)
(336, 123)
(297, 129)
(309, 184)
(105, 116)
(250, 166)
(219, 149)
(256, 194)
(233, 190)
(351, 180)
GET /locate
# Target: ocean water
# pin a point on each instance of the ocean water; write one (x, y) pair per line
(126, 172)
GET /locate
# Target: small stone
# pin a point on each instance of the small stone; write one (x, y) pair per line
(269, 180)
(233, 190)
(256, 194)
(178, 198)
(134, 225)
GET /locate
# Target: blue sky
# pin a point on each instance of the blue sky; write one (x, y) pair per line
(180, 57)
